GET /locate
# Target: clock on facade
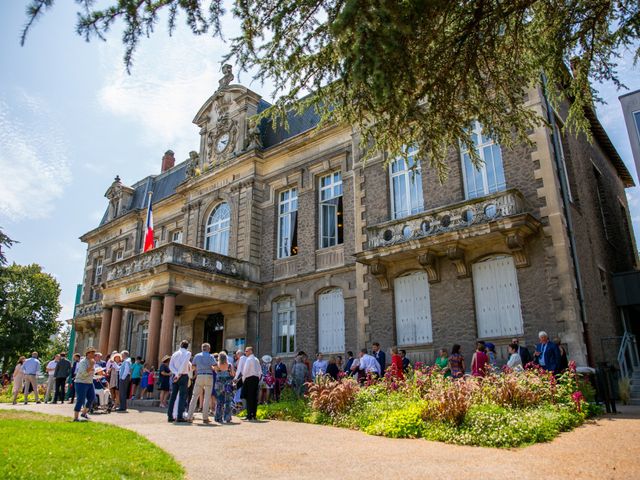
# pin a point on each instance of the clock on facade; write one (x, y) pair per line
(222, 142)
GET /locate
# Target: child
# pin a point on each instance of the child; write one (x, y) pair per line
(151, 380)
(144, 383)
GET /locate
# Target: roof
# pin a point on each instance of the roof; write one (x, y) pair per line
(604, 141)
(162, 186)
(297, 124)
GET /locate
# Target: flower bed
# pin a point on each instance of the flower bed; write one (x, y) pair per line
(504, 410)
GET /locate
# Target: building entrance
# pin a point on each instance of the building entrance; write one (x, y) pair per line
(214, 331)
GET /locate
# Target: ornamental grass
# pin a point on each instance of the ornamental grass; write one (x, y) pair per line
(503, 409)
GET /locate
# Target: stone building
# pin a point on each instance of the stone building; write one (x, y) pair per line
(288, 240)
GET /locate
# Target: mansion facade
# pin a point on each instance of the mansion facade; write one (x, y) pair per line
(287, 240)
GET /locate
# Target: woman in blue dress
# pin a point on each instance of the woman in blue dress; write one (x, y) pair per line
(224, 389)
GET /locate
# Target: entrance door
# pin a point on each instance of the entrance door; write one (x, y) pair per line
(214, 331)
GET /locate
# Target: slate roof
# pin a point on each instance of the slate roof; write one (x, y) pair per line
(162, 186)
(297, 124)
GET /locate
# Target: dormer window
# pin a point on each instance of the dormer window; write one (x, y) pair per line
(119, 197)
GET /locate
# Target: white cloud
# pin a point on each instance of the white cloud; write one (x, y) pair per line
(33, 159)
(171, 78)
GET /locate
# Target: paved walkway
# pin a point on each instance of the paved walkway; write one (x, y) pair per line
(606, 449)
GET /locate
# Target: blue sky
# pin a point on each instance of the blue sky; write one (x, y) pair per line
(71, 119)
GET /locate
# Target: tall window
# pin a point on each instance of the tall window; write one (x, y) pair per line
(218, 226)
(406, 185)
(495, 284)
(413, 309)
(489, 177)
(331, 213)
(288, 223)
(284, 320)
(97, 278)
(331, 321)
(601, 198)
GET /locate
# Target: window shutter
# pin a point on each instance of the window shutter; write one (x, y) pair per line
(413, 309)
(497, 297)
(331, 322)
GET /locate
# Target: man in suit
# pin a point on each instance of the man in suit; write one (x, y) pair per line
(524, 353)
(406, 363)
(547, 353)
(349, 364)
(380, 357)
(280, 374)
(62, 371)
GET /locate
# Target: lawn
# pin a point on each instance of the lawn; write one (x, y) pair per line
(33, 445)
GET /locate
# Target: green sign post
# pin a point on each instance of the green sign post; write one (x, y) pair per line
(72, 336)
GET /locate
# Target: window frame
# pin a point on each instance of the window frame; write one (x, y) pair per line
(411, 178)
(284, 247)
(326, 207)
(221, 232)
(284, 305)
(173, 236)
(480, 146)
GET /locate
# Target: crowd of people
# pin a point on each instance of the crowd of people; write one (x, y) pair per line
(220, 384)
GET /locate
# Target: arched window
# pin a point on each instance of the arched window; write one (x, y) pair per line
(495, 285)
(284, 323)
(217, 233)
(413, 309)
(331, 321)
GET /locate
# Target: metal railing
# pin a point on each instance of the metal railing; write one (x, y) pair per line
(628, 355)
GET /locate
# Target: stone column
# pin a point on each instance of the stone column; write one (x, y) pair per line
(114, 333)
(105, 327)
(166, 328)
(153, 340)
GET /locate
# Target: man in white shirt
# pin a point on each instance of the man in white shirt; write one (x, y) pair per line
(319, 367)
(124, 379)
(179, 366)
(251, 373)
(368, 363)
(51, 379)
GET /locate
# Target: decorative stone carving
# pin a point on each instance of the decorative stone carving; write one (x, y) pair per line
(456, 255)
(254, 138)
(227, 78)
(379, 270)
(193, 168)
(429, 262)
(515, 243)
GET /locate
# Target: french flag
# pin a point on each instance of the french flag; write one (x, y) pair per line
(148, 238)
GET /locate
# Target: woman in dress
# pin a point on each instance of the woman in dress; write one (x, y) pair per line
(563, 361)
(514, 362)
(456, 362)
(396, 364)
(442, 362)
(266, 381)
(224, 389)
(114, 369)
(18, 379)
(165, 378)
(332, 368)
(480, 361)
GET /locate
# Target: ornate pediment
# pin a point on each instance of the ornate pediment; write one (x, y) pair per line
(224, 123)
(119, 196)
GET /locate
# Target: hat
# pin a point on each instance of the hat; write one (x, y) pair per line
(165, 358)
(116, 355)
(89, 350)
(489, 345)
(266, 359)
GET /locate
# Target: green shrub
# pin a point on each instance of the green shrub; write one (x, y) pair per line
(403, 423)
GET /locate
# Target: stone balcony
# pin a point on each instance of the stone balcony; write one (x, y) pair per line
(503, 218)
(89, 309)
(185, 256)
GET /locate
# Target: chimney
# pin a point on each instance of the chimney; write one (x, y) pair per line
(168, 160)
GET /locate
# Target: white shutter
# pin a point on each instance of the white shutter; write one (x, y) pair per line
(413, 309)
(331, 322)
(497, 298)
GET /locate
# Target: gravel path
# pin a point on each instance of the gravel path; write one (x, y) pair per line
(606, 449)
